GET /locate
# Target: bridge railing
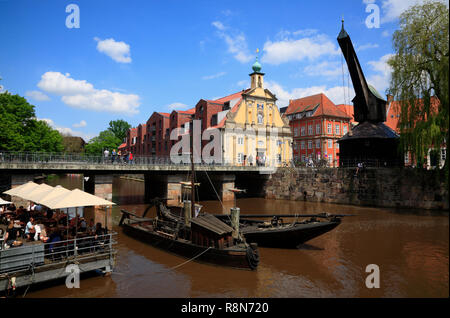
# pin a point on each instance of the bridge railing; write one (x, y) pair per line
(81, 158)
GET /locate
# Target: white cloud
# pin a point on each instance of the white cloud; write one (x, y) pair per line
(81, 94)
(177, 106)
(336, 94)
(37, 95)
(243, 84)
(367, 47)
(66, 130)
(290, 49)
(380, 80)
(118, 51)
(329, 69)
(80, 124)
(236, 42)
(61, 84)
(218, 25)
(385, 33)
(209, 77)
(392, 9)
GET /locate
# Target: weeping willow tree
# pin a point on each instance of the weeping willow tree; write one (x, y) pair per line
(419, 79)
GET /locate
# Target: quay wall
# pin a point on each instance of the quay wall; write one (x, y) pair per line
(377, 187)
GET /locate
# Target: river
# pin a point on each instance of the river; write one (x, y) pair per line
(410, 248)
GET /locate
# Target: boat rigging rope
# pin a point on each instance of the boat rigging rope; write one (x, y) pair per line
(190, 259)
(218, 197)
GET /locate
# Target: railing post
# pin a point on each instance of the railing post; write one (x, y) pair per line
(75, 251)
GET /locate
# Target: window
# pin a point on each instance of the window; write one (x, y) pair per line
(260, 118)
(296, 131)
(317, 129)
(318, 143)
(337, 128)
(240, 140)
(302, 144)
(303, 131)
(407, 157)
(240, 157)
(344, 129)
(309, 144)
(295, 146)
(310, 130)
(443, 154)
(214, 120)
(303, 158)
(329, 129)
(330, 143)
(337, 145)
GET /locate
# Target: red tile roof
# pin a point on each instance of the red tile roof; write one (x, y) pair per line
(229, 97)
(189, 111)
(325, 106)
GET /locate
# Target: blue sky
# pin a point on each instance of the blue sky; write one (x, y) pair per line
(130, 58)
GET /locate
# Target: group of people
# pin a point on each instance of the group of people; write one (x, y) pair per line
(36, 223)
(118, 156)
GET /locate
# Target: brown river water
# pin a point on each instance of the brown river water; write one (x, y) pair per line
(411, 249)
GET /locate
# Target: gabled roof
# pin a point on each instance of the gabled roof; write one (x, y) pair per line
(230, 97)
(323, 105)
(186, 112)
(164, 114)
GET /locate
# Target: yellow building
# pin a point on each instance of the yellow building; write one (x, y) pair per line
(252, 130)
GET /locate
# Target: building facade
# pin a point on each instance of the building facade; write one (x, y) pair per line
(248, 123)
(317, 123)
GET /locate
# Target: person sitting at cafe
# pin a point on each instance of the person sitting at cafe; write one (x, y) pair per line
(49, 214)
(62, 219)
(37, 232)
(23, 215)
(99, 231)
(29, 229)
(31, 206)
(11, 235)
(91, 227)
(83, 225)
(43, 235)
(55, 236)
(11, 207)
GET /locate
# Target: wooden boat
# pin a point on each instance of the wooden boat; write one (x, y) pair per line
(198, 237)
(206, 240)
(279, 234)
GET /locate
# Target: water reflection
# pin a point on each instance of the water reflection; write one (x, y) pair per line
(411, 250)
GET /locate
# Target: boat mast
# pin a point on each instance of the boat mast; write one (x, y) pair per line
(191, 132)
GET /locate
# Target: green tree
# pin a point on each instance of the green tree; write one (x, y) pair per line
(119, 128)
(420, 78)
(21, 131)
(105, 140)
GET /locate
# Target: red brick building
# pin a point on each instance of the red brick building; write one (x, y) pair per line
(156, 142)
(316, 124)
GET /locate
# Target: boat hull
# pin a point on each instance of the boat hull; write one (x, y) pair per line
(238, 257)
(287, 237)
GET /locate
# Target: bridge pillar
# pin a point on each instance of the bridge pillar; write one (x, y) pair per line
(164, 186)
(222, 183)
(101, 186)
